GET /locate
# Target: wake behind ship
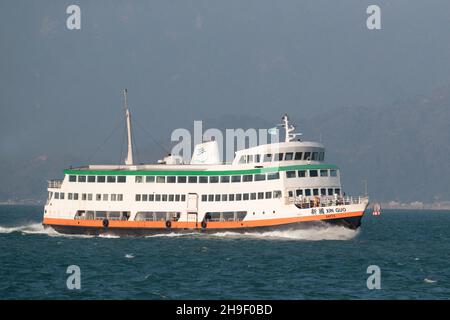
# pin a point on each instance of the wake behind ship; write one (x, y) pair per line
(277, 185)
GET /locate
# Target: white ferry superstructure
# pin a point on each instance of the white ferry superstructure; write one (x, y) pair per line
(277, 185)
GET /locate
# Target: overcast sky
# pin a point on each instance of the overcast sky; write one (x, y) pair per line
(186, 60)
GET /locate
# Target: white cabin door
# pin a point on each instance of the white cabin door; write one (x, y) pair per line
(192, 203)
(192, 208)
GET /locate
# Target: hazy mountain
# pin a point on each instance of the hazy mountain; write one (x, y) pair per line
(401, 149)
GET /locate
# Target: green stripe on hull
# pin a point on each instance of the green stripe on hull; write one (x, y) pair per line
(196, 172)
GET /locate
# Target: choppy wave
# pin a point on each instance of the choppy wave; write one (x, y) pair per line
(36, 228)
(326, 232)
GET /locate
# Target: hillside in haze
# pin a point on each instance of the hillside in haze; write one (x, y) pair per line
(402, 150)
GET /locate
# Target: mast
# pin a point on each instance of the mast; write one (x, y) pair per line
(129, 158)
(289, 129)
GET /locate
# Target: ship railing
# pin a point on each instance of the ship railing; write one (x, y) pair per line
(321, 201)
(54, 184)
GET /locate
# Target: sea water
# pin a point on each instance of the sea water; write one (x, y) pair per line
(411, 249)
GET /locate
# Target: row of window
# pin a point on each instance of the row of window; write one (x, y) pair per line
(87, 196)
(241, 196)
(208, 179)
(288, 156)
(311, 173)
(98, 179)
(161, 197)
(315, 192)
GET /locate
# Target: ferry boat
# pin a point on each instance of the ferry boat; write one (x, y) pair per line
(285, 184)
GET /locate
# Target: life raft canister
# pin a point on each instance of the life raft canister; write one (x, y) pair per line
(168, 224)
(105, 223)
(204, 224)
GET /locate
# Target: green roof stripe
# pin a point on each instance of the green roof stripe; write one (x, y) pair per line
(195, 172)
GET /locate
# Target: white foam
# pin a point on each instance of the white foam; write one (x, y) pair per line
(129, 256)
(317, 233)
(426, 280)
(37, 228)
(310, 234)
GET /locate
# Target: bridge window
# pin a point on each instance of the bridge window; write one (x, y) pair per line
(171, 179)
(315, 156)
(151, 197)
(121, 179)
(217, 197)
(144, 197)
(299, 192)
(313, 173)
(321, 156)
(213, 179)
(333, 173)
(224, 197)
(235, 178)
(238, 196)
(225, 179)
(307, 192)
(183, 197)
(337, 191)
(210, 197)
(157, 197)
(72, 178)
(101, 179)
(177, 197)
(203, 179)
(247, 178)
(192, 179)
(253, 196)
(242, 160)
(273, 176)
(81, 178)
(171, 197)
(138, 197)
(324, 173)
(75, 196)
(301, 173)
(260, 195)
(69, 196)
(257, 158)
(120, 197)
(105, 197)
(89, 196)
(277, 194)
(138, 179)
(307, 156)
(204, 197)
(268, 195)
(249, 158)
(278, 157)
(231, 197)
(260, 177)
(164, 197)
(290, 174)
(150, 179)
(84, 197)
(290, 194)
(316, 192)
(330, 191)
(323, 192)
(289, 156)
(267, 157)
(245, 196)
(298, 155)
